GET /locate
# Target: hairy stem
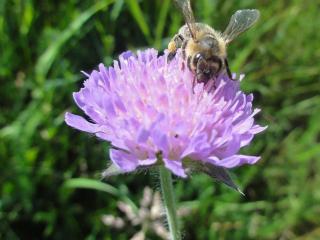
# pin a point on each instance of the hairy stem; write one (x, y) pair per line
(169, 202)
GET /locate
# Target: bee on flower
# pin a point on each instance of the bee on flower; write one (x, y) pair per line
(148, 110)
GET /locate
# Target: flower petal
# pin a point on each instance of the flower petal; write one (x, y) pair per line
(160, 140)
(145, 104)
(175, 167)
(126, 162)
(80, 123)
(142, 135)
(149, 161)
(234, 161)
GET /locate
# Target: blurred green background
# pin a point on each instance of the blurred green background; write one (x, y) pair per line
(45, 45)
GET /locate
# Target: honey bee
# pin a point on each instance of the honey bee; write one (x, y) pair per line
(204, 48)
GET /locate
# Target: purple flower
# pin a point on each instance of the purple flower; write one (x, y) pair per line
(145, 106)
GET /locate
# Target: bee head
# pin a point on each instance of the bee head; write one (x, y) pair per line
(207, 68)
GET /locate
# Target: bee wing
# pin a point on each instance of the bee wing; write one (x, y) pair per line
(185, 8)
(240, 21)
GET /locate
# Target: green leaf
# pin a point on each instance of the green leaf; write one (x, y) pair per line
(46, 60)
(99, 186)
(220, 174)
(138, 16)
(161, 22)
(92, 184)
(116, 9)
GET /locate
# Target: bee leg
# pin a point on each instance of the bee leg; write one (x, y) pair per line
(194, 83)
(174, 44)
(171, 55)
(183, 47)
(178, 40)
(228, 69)
(214, 85)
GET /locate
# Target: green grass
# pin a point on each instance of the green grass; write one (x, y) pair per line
(44, 46)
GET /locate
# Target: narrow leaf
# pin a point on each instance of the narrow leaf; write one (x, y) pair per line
(220, 174)
(45, 61)
(139, 18)
(91, 184)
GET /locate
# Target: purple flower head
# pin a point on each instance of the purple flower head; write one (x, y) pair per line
(145, 106)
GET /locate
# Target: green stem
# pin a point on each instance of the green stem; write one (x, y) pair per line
(169, 202)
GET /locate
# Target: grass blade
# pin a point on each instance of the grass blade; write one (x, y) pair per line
(45, 61)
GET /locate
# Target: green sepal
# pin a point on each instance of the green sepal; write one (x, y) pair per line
(220, 174)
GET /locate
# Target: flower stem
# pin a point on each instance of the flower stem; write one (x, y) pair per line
(169, 202)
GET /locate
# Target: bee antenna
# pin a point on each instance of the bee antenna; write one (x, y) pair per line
(191, 31)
